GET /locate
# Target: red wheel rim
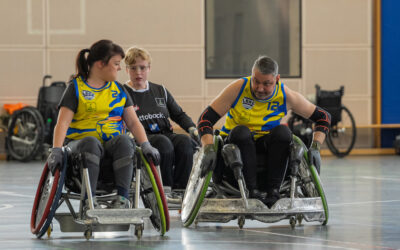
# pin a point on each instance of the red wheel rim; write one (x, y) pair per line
(35, 229)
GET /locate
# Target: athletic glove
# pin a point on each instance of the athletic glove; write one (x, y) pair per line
(194, 134)
(208, 161)
(54, 161)
(151, 153)
(314, 156)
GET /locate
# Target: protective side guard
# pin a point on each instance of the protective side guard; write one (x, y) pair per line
(47, 199)
(196, 187)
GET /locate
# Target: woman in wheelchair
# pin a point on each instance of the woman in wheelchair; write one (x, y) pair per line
(90, 121)
(255, 106)
(154, 105)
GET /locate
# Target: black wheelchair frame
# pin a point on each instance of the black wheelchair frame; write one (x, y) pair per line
(30, 129)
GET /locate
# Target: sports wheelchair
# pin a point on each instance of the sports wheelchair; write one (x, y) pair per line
(74, 178)
(301, 192)
(30, 130)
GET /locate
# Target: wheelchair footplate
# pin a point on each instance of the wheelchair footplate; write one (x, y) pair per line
(224, 210)
(103, 220)
(118, 216)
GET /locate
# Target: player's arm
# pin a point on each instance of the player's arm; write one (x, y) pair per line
(301, 106)
(218, 108)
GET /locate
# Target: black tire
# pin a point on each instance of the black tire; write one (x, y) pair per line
(25, 134)
(342, 135)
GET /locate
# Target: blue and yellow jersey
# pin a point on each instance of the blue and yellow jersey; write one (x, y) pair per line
(259, 116)
(99, 111)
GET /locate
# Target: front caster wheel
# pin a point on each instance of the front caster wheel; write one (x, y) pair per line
(241, 221)
(88, 234)
(139, 231)
(299, 219)
(49, 230)
(292, 222)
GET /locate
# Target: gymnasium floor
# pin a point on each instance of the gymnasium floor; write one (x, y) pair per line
(363, 195)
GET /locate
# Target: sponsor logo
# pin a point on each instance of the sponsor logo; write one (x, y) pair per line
(91, 107)
(247, 103)
(160, 102)
(151, 116)
(87, 95)
(154, 127)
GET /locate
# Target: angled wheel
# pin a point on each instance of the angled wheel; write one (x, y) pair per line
(153, 197)
(47, 199)
(25, 134)
(196, 188)
(312, 185)
(342, 135)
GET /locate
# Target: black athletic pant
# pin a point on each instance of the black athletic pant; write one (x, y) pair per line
(176, 151)
(118, 151)
(273, 149)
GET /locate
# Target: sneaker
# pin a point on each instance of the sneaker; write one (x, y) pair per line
(121, 202)
(273, 196)
(268, 198)
(256, 194)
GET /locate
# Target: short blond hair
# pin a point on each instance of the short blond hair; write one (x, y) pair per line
(134, 52)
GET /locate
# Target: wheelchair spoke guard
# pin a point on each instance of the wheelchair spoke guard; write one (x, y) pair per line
(47, 199)
(153, 196)
(196, 188)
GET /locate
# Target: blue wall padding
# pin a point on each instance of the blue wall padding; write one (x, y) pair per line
(390, 69)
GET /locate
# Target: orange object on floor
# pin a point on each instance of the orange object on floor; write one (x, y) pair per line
(11, 108)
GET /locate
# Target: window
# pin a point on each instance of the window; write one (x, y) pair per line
(238, 31)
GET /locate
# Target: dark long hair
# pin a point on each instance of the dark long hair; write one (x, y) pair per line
(101, 50)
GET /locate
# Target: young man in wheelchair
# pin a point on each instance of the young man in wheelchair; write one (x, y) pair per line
(90, 121)
(255, 106)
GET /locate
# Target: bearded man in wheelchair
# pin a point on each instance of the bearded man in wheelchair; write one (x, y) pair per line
(256, 144)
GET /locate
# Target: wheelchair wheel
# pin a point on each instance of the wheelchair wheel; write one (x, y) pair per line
(25, 134)
(153, 197)
(311, 182)
(196, 188)
(47, 199)
(342, 136)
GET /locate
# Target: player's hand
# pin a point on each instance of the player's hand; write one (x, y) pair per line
(314, 155)
(209, 160)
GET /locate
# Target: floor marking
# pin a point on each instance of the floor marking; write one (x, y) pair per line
(380, 178)
(5, 206)
(361, 202)
(357, 245)
(15, 194)
(236, 242)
